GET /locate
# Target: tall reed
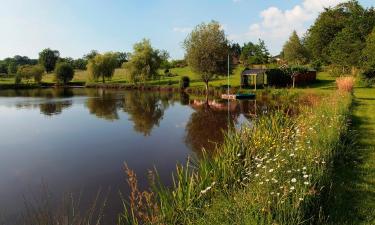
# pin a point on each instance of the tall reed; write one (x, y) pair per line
(345, 84)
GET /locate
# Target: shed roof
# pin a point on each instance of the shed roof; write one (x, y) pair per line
(253, 71)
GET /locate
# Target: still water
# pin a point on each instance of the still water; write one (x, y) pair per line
(77, 140)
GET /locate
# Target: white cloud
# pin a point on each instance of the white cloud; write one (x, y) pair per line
(276, 25)
(182, 29)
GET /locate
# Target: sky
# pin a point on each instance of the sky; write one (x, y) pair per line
(74, 27)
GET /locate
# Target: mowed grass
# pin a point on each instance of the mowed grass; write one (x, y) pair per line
(354, 183)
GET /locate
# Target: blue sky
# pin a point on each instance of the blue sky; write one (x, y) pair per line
(74, 27)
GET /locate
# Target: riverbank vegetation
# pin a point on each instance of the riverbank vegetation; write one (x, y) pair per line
(276, 171)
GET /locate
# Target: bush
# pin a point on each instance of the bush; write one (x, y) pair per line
(278, 77)
(64, 73)
(317, 65)
(185, 82)
(369, 73)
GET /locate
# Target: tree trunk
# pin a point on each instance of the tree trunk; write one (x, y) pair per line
(206, 83)
(294, 80)
(103, 79)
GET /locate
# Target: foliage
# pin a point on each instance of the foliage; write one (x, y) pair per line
(323, 32)
(48, 58)
(144, 62)
(64, 72)
(207, 50)
(102, 66)
(294, 51)
(80, 64)
(12, 68)
(29, 72)
(339, 33)
(178, 63)
(90, 55)
(235, 51)
(345, 50)
(184, 82)
(255, 53)
(369, 51)
(278, 77)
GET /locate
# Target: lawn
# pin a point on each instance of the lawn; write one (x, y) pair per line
(354, 182)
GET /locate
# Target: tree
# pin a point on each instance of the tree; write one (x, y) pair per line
(48, 59)
(121, 58)
(64, 72)
(255, 53)
(369, 51)
(37, 72)
(12, 68)
(80, 64)
(102, 65)
(144, 62)
(294, 51)
(29, 72)
(346, 49)
(235, 51)
(91, 55)
(207, 50)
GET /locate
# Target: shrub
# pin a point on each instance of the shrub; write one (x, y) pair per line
(369, 73)
(29, 72)
(64, 73)
(345, 84)
(278, 77)
(185, 82)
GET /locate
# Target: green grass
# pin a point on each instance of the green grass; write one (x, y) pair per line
(354, 181)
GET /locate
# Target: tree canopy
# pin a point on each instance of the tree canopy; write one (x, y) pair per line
(64, 72)
(294, 51)
(48, 58)
(207, 49)
(338, 35)
(255, 53)
(102, 66)
(369, 51)
(29, 72)
(144, 62)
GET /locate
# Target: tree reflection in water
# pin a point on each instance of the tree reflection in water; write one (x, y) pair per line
(145, 110)
(207, 125)
(103, 104)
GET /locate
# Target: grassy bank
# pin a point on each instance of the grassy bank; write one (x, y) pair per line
(275, 172)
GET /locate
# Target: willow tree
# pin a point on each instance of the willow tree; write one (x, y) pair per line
(102, 66)
(207, 49)
(144, 62)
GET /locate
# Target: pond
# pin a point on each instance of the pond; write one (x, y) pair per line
(77, 140)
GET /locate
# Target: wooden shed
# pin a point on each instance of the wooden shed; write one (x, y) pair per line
(253, 77)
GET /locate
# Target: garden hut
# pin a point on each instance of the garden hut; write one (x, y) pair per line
(253, 77)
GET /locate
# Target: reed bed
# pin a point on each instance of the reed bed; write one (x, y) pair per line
(276, 171)
(345, 84)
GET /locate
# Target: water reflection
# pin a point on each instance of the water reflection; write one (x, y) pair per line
(209, 116)
(103, 104)
(145, 110)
